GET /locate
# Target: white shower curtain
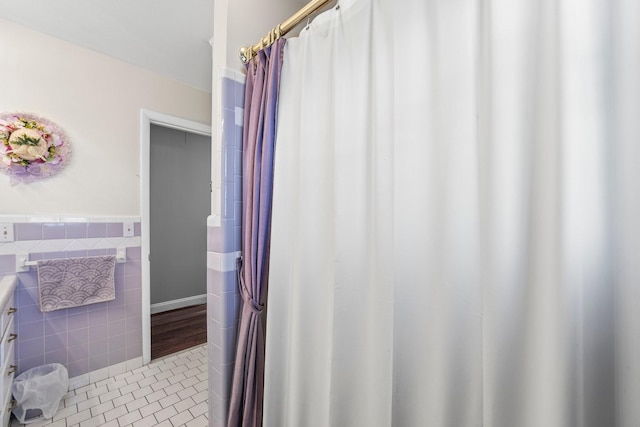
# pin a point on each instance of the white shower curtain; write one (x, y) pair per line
(456, 218)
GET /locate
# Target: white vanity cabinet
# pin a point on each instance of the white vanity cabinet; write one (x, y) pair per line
(7, 345)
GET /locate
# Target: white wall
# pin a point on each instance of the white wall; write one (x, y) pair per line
(96, 100)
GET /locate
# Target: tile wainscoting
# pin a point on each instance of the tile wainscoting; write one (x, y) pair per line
(104, 339)
(223, 246)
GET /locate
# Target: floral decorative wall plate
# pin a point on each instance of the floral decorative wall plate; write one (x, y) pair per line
(31, 147)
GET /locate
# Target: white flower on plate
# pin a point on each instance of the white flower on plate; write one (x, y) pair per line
(28, 144)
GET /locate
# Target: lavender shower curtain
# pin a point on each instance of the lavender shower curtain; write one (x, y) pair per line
(258, 145)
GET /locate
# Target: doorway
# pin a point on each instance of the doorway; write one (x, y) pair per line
(180, 202)
(175, 203)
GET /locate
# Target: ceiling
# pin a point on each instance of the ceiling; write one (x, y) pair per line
(169, 37)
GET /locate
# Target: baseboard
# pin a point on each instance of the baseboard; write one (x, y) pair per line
(178, 303)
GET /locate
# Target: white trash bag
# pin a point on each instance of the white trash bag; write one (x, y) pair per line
(38, 392)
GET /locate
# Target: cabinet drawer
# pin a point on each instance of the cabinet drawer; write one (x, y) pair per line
(6, 411)
(8, 313)
(8, 373)
(7, 344)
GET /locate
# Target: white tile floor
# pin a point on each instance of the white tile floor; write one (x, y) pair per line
(168, 392)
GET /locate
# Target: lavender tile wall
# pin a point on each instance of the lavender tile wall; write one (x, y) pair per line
(53, 231)
(98, 229)
(231, 165)
(223, 242)
(7, 264)
(86, 338)
(28, 231)
(72, 230)
(115, 229)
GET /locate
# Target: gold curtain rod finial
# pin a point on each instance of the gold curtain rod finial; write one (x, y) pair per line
(246, 53)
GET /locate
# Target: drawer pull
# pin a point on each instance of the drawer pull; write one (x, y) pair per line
(12, 310)
(12, 337)
(12, 370)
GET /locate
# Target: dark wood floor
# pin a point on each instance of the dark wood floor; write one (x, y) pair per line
(175, 330)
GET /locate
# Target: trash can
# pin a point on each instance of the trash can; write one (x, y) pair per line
(38, 392)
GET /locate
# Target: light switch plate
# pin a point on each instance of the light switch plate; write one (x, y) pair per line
(6, 232)
(128, 229)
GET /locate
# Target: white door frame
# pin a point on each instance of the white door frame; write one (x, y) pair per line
(147, 118)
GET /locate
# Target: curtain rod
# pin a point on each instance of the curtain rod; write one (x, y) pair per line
(248, 52)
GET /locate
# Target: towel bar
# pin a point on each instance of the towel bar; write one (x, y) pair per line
(23, 261)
